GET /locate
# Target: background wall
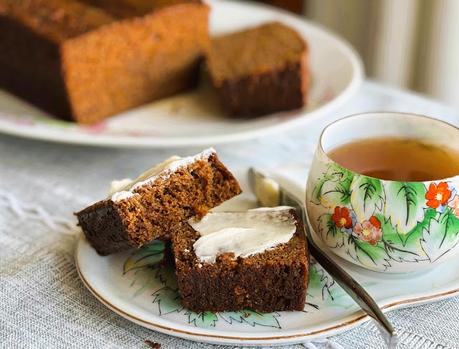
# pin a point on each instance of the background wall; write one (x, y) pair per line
(411, 44)
(408, 43)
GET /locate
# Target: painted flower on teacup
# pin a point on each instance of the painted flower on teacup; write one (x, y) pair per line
(454, 205)
(342, 218)
(438, 195)
(379, 224)
(369, 231)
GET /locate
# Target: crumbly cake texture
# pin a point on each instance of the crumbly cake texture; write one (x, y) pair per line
(259, 70)
(274, 280)
(85, 60)
(156, 208)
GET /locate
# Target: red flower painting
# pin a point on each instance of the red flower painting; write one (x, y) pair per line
(342, 217)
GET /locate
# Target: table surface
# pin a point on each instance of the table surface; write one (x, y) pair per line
(44, 304)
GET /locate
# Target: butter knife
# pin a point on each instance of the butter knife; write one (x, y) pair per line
(270, 193)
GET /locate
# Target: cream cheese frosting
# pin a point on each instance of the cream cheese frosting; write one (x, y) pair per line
(242, 233)
(125, 188)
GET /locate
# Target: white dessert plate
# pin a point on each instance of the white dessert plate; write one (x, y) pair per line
(128, 284)
(194, 118)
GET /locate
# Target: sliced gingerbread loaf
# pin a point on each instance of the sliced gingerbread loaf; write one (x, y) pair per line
(153, 205)
(259, 70)
(226, 262)
(85, 60)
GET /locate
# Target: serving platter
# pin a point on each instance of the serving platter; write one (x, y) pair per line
(132, 285)
(194, 118)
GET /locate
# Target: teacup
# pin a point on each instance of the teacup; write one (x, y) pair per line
(384, 225)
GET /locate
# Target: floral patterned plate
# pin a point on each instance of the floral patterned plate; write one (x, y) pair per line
(132, 285)
(194, 118)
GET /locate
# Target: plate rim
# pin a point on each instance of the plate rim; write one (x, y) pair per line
(113, 141)
(347, 323)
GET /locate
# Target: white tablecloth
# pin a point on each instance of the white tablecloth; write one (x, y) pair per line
(43, 304)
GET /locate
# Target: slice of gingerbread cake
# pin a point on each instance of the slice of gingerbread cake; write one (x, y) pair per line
(260, 70)
(254, 259)
(86, 60)
(153, 205)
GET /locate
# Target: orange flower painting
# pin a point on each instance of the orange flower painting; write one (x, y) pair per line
(438, 194)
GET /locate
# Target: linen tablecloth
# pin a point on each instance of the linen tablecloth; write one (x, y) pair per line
(43, 304)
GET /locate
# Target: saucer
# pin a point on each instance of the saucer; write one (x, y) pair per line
(129, 284)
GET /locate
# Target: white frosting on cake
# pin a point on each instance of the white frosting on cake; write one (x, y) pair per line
(242, 233)
(118, 185)
(125, 188)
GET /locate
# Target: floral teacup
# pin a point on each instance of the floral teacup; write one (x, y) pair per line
(384, 225)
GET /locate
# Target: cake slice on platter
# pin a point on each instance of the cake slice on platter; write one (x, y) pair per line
(154, 205)
(86, 60)
(254, 259)
(260, 70)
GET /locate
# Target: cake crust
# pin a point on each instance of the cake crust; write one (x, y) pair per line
(155, 210)
(274, 280)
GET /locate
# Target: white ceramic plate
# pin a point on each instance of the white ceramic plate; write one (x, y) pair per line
(194, 118)
(148, 296)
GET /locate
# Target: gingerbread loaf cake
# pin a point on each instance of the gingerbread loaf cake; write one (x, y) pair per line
(255, 259)
(259, 70)
(153, 206)
(85, 60)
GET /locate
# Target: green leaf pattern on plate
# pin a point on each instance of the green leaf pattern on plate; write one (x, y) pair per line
(149, 255)
(252, 318)
(204, 319)
(160, 282)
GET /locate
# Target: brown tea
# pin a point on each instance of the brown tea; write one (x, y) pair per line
(397, 159)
